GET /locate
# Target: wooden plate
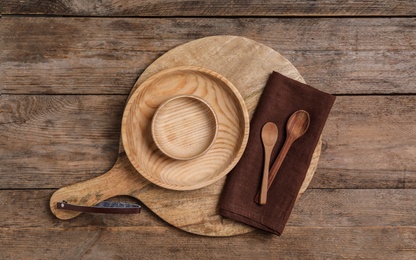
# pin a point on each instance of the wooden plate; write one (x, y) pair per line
(233, 127)
(184, 127)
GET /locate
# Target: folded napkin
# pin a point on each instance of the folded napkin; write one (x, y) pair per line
(280, 98)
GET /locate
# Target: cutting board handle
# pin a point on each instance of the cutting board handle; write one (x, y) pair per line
(122, 179)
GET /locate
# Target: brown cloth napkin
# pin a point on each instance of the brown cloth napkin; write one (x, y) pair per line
(280, 98)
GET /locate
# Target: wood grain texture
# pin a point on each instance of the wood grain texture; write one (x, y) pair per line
(315, 208)
(365, 209)
(331, 221)
(349, 222)
(121, 179)
(213, 8)
(197, 213)
(62, 138)
(98, 243)
(231, 113)
(106, 56)
(41, 133)
(184, 127)
(375, 134)
(193, 211)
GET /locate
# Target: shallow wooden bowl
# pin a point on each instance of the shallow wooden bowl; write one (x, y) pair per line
(218, 160)
(184, 127)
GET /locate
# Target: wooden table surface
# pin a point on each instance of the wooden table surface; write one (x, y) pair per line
(67, 67)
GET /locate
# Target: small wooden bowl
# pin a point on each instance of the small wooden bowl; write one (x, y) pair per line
(184, 127)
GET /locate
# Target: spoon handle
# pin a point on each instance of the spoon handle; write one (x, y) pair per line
(264, 183)
(273, 172)
(279, 160)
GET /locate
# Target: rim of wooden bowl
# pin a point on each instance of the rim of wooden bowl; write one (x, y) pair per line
(166, 147)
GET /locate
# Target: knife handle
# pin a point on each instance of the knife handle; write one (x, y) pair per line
(102, 207)
(121, 179)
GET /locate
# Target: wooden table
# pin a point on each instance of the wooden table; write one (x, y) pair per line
(66, 69)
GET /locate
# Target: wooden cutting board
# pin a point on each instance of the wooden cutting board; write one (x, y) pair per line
(244, 62)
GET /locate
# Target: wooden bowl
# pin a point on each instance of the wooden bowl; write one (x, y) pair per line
(184, 127)
(218, 160)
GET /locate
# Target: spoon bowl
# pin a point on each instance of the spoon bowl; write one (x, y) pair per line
(296, 126)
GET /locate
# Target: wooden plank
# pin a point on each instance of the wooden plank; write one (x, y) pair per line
(364, 179)
(325, 223)
(30, 209)
(366, 141)
(106, 56)
(57, 140)
(355, 208)
(369, 141)
(323, 208)
(211, 8)
(166, 243)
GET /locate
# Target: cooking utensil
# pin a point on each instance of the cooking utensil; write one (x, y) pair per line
(296, 126)
(269, 134)
(184, 127)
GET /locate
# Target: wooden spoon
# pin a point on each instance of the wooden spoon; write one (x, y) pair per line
(296, 126)
(269, 136)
